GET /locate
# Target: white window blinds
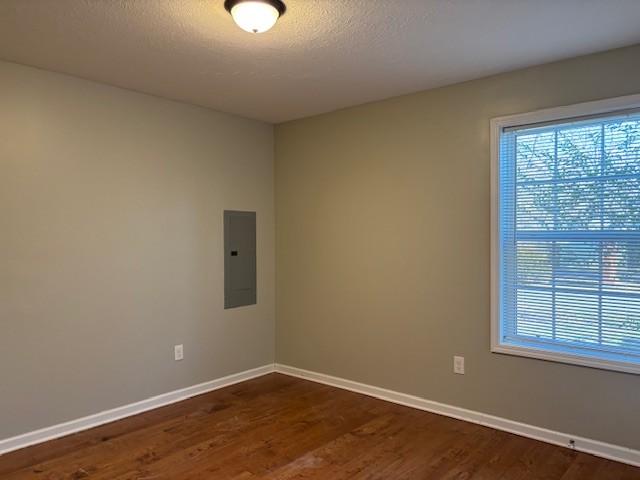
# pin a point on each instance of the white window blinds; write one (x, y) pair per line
(569, 237)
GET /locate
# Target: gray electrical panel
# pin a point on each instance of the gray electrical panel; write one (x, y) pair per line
(239, 258)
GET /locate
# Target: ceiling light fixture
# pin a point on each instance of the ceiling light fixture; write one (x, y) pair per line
(255, 16)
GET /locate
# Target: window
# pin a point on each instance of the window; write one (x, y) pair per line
(566, 234)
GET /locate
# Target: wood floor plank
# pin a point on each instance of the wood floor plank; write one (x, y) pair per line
(329, 460)
(79, 441)
(584, 467)
(555, 460)
(281, 428)
(228, 419)
(259, 444)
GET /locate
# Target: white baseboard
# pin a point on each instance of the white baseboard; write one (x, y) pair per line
(594, 447)
(91, 421)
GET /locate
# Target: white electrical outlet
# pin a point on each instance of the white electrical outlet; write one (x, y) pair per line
(458, 365)
(178, 352)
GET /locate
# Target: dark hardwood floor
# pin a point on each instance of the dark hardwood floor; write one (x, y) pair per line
(279, 427)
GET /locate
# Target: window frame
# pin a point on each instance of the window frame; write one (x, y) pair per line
(556, 114)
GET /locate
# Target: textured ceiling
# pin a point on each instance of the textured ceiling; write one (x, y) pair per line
(322, 55)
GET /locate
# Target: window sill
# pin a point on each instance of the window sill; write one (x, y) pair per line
(572, 359)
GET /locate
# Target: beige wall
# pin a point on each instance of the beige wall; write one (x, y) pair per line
(383, 250)
(111, 247)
